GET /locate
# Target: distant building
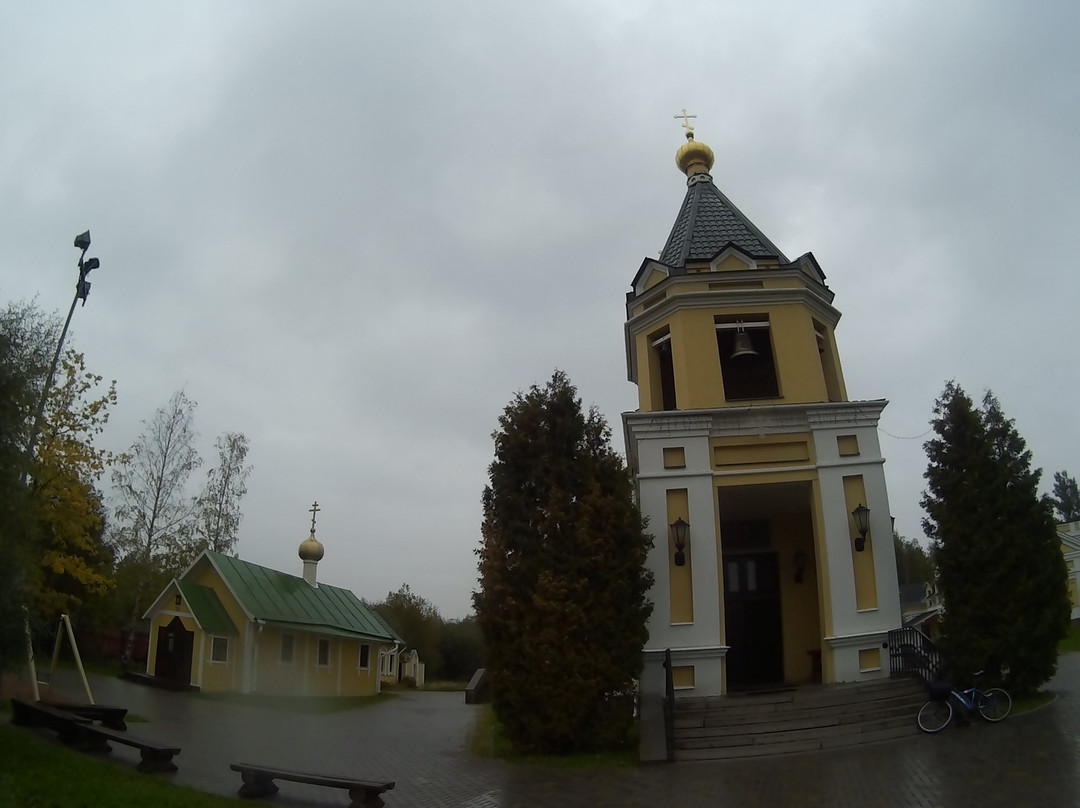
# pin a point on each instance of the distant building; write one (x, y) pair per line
(1069, 533)
(922, 607)
(230, 625)
(751, 463)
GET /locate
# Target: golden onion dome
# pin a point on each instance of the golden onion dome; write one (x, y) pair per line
(693, 157)
(311, 549)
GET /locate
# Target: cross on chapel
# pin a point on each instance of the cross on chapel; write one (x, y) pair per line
(686, 122)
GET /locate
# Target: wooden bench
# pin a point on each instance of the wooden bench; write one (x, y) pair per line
(259, 781)
(78, 731)
(111, 717)
(37, 714)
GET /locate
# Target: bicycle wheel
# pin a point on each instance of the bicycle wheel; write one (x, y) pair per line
(995, 704)
(935, 715)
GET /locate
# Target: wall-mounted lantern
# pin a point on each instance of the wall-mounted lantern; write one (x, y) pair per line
(680, 533)
(800, 565)
(861, 515)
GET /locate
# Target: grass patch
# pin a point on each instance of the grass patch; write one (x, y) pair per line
(445, 686)
(38, 774)
(486, 740)
(1072, 639)
(299, 704)
(1030, 702)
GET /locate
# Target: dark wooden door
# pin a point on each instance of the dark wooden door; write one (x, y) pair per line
(174, 647)
(755, 654)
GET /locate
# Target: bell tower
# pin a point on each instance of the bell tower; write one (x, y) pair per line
(750, 460)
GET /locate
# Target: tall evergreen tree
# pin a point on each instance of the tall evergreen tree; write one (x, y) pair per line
(562, 602)
(1000, 566)
(1066, 497)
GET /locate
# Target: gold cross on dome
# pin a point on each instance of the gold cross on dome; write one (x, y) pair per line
(314, 509)
(686, 121)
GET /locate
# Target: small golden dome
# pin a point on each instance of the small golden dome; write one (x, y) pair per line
(311, 549)
(693, 157)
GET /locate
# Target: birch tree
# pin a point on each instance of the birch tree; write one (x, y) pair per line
(218, 511)
(155, 515)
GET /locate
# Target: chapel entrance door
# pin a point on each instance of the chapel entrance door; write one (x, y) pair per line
(173, 659)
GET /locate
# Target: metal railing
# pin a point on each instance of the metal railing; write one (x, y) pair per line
(912, 653)
(669, 707)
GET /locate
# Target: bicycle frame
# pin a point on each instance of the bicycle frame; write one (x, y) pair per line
(967, 698)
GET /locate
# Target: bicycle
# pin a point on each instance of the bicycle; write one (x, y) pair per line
(993, 704)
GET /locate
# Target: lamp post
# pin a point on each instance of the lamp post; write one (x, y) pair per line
(82, 291)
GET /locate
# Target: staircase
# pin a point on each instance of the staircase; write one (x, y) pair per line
(802, 719)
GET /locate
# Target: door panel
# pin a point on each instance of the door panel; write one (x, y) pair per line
(753, 620)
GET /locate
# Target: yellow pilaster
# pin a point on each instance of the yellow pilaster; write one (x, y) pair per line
(680, 579)
(862, 562)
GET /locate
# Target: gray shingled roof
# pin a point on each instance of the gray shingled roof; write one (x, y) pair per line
(707, 223)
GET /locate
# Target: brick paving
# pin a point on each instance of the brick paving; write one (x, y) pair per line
(419, 740)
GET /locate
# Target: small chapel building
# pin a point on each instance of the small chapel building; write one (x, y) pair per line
(227, 625)
(763, 483)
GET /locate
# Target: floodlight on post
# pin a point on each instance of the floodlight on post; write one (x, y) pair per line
(861, 515)
(82, 291)
(680, 532)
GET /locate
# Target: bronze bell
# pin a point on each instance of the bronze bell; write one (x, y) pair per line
(743, 345)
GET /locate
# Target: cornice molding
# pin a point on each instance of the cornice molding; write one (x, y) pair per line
(728, 298)
(766, 418)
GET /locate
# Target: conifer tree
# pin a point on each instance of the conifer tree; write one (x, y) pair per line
(562, 602)
(1000, 566)
(1066, 497)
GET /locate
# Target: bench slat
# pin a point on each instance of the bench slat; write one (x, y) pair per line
(259, 782)
(111, 717)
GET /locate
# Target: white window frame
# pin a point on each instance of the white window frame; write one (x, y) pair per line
(213, 648)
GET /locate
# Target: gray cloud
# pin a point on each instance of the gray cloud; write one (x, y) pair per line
(354, 231)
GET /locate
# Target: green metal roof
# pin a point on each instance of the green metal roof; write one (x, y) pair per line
(387, 626)
(208, 609)
(276, 597)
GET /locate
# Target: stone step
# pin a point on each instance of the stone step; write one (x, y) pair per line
(807, 695)
(793, 746)
(842, 712)
(846, 723)
(796, 720)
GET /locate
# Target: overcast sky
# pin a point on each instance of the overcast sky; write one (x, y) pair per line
(353, 230)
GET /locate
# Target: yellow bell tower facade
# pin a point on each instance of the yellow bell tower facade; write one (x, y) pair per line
(763, 484)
